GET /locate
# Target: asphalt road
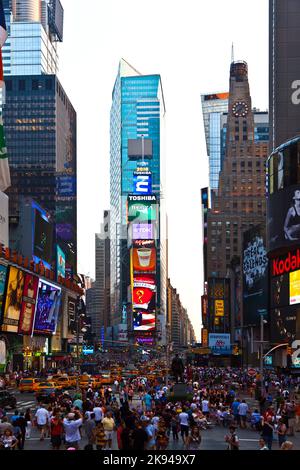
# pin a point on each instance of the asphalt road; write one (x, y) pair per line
(212, 439)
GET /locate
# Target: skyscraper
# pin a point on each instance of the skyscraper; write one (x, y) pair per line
(284, 71)
(35, 27)
(135, 138)
(240, 203)
(213, 106)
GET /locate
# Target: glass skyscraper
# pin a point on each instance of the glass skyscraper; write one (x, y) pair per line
(137, 113)
(31, 47)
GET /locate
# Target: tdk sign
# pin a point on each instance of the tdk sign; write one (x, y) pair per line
(142, 183)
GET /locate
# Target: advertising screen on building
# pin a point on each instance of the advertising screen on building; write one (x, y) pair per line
(219, 343)
(138, 148)
(13, 300)
(255, 274)
(61, 262)
(218, 304)
(3, 273)
(142, 183)
(143, 321)
(219, 308)
(4, 235)
(142, 208)
(28, 304)
(143, 232)
(283, 218)
(47, 308)
(145, 340)
(143, 243)
(43, 238)
(71, 315)
(144, 259)
(294, 287)
(284, 322)
(144, 292)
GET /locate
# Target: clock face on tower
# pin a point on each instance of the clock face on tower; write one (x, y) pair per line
(240, 109)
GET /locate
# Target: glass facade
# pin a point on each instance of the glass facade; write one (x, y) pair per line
(137, 109)
(40, 130)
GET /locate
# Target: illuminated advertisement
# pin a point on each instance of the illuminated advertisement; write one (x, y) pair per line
(219, 308)
(61, 263)
(47, 308)
(204, 337)
(143, 259)
(142, 183)
(144, 340)
(294, 287)
(144, 289)
(143, 243)
(142, 208)
(142, 232)
(255, 274)
(143, 321)
(285, 322)
(71, 315)
(13, 302)
(28, 304)
(43, 238)
(219, 343)
(3, 273)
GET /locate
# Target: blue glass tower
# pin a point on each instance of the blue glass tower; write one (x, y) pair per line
(137, 113)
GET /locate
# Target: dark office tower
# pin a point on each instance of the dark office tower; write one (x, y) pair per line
(40, 130)
(240, 203)
(284, 74)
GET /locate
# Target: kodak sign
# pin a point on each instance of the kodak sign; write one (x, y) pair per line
(291, 262)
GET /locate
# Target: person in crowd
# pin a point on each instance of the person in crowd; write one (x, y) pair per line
(56, 430)
(72, 424)
(8, 441)
(109, 426)
(232, 439)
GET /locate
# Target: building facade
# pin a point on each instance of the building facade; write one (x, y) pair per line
(135, 140)
(240, 203)
(40, 129)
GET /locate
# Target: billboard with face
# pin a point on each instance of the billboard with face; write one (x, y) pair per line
(144, 259)
(255, 274)
(13, 303)
(28, 304)
(47, 308)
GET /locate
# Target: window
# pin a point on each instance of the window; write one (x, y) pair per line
(22, 85)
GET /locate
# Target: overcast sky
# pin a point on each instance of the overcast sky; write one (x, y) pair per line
(189, 43)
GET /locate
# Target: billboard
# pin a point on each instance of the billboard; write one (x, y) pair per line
(142, 183)
(219, 343)
(66, 186)
(255, 274)
(56, 18)
(218, 315)
(138, 148)
(143, 259)
(142, 232)
(144, 290)
(294, 281)
(28, 304)
(283, 218)
(72, 315)
(143, 243)
(204, 337)
(145, 340)
(43, 238)
(4, 237)
(285, 324)
(219, 308)
(47, 308)
(60, 263)
(142, 208)
(143, 321)
(3, 273)
(122, 333)
(13, 300)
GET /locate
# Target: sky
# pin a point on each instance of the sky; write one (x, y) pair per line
(189, 44)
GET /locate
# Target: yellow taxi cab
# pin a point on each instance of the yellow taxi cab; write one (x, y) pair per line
(106, 379)
(95, 382)
(63, 382)
(28, 384)
(42, 386)
(84, 381)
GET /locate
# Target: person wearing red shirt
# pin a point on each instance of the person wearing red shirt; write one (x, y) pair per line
(56, 430)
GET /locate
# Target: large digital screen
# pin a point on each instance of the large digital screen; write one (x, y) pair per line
(142, 183)
(13, 300)
(283, 218)
(142, 208)
(43, 238)
(255, 274)
(144, 292)
(143, 321)
(47, 308)
(28, 304)
(143, 259)
(3, 273)
(219, 343)
(295, 287)
(285, 322)
(61, 262)
(143, 231)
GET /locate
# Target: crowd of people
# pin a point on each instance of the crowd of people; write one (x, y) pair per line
(138, 413)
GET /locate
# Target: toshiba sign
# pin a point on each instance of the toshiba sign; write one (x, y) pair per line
(286, 264)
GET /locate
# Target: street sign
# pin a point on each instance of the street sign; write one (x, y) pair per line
(251, 372)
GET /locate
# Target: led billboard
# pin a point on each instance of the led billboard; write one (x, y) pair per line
(47, 308)
(294, 287)
(28, 304)
(142, 183)
(3, 273)
(143, 231)
(219, 343)
(144, 290)
(13, 300)
(143, 243)
(255, 274)
(143, 321)
(43, 238)
(143, 259)
(142, 208)
(60, 262)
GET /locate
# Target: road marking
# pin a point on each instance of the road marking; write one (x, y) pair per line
(249, 440)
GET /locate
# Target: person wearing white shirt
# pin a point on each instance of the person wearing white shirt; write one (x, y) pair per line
(184, 425)
(205, 407)
(98, 413)
(243, 410)
(42, 420)
(72, 424)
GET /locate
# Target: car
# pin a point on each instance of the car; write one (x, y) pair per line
(28, 385)
(7, 399)
(106, 379)
(63, 382)
(41, 386)
(47, 395)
